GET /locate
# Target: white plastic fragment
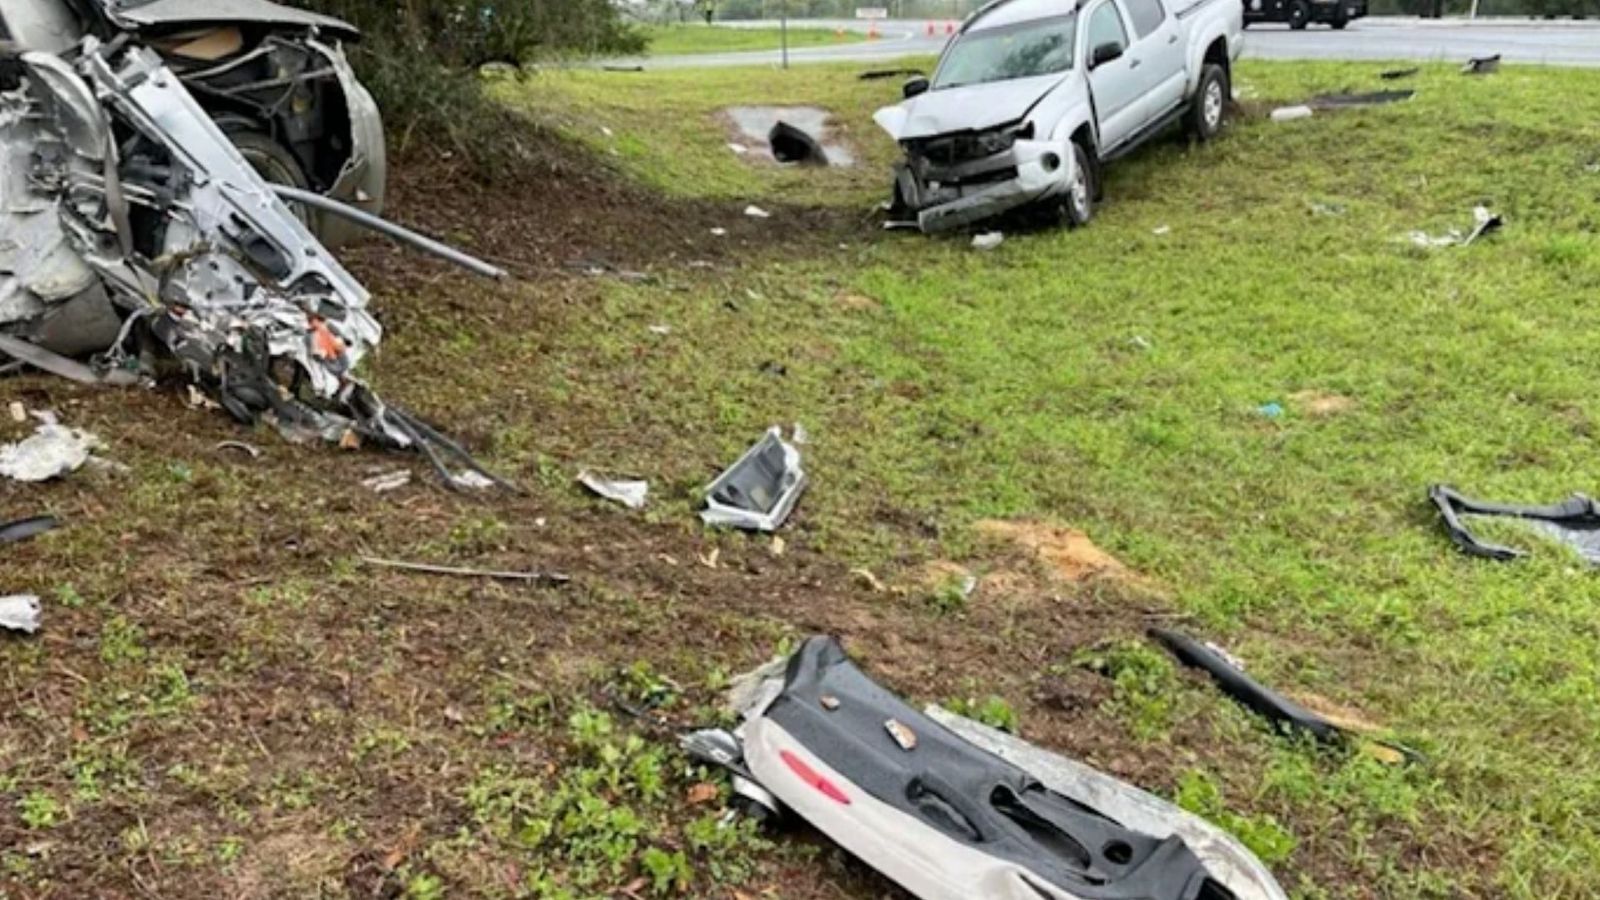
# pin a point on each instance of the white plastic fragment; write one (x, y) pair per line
(631, 494)
(719, 232)
(19, 413)
(988, 240)
(52, 451)
(758, 492)
(1161, 230)
(472, 481)
(387, 481)
(756, 212)
(1291, 113)
(738, 149)
(661, 330)
(20, 612)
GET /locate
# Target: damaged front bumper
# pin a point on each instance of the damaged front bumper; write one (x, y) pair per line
(949, 195)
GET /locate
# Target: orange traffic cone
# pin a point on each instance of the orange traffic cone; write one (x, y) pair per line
(838, 34)
(950, 27)
(872, 32)
(930, 29)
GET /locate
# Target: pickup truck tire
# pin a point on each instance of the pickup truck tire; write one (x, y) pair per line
(1078, 205)
(1210, 106)
(1299, 15)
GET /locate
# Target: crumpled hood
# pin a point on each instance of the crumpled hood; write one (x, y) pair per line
(168, 13)
(976, 107)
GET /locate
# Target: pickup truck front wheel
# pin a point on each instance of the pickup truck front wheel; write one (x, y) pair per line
(1078, 205)
(1210, 105)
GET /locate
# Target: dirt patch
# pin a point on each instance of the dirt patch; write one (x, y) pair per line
(1068, 552)
(1321, 405)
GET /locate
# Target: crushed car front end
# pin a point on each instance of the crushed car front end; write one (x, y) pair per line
(949, 181)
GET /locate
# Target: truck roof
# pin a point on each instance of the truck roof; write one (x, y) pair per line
(1010, 12)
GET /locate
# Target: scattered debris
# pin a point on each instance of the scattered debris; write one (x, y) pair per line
(471, 481)
(1328, 209)
(756, 212)
(793, 145)
(1067, 551)
(1574, 522)
(52, 451)
(20, 612)
(1291, 113)
(875, 74)
(631, 494)
(988, 240)
(19, 413)
(1484, 223)
(738, 149)
(758, 492)
(1286, 715)
(1273, 410)
(1224, 856)
(870, 580)
(1140, 342)
(1482, 65)
(427, 569)
(798, 435)
(250, 450)
(849, 757)
(721, 748)
(660, 330)
(1397, 74)
(27, 529)
(1161, 230)
(778, 547)
(616, 68)
(385, 482)
(1348, 101)
(719, 232)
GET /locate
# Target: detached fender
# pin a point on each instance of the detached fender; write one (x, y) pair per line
(363, 180)
(891, 119)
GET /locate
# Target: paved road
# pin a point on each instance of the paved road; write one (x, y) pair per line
(1552, 43)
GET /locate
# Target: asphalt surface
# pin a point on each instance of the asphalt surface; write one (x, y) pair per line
(1544, 43)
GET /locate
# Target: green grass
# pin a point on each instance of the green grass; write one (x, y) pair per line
(1111, 378)
(690, 38)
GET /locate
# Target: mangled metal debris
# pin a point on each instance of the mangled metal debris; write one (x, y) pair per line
(1484, 223)
(631, 494)
(1574, 522)
(758, 492)
(384, 482)
(1286, 715)
(53, 450)
(466, 572)
(1291, 113)
(1397, 74)
(1482, 65)
(950, 810)
(20, 612)
(127, 210)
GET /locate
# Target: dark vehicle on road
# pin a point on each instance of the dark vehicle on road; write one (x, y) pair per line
(1300, 13)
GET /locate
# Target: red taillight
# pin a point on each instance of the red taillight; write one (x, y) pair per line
(810, 776)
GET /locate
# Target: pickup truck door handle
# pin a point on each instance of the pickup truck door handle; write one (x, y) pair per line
(1133, 64)
(1173, 39)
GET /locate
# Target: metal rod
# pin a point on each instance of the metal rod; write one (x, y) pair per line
(390, 229)
(545, 577)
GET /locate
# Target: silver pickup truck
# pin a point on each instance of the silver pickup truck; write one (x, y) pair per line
(1032, 97)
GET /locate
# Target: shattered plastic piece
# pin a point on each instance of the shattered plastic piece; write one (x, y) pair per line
(718, 747)
(905, 737)
(738, 149)
(988, 240)
(1484, 222)
(26, 529)
(250, 450)
(19, 413)
(1224, 856)
(1161, 230)
(1272, 410)
(1482, 65)
(719, 232)
(1291, 113)
(949, 820)
(388, 481)
(52, 451)
(756, 212)
(427, 569)
(20, 612)
(1286, 715)
(1574, 522)
(758, 492)
(471, 481)
(1397, 74)
(799, 436)
(660, 330)
(631, 494)
(829, 702)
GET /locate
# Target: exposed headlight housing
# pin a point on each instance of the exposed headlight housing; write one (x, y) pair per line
(999, 140)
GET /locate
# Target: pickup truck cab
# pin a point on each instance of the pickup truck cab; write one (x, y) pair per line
(1032, 97)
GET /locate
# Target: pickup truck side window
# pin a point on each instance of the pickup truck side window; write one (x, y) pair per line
(1105, 27)
(1147, 15)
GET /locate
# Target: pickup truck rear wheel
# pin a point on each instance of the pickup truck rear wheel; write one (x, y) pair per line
(1078, 205)
(1210, 105)
(1299, 15)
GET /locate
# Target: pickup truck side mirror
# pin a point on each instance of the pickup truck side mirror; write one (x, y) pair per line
(917, 84)
(1104, 53)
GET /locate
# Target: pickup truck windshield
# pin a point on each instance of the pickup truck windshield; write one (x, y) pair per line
(1037, 47)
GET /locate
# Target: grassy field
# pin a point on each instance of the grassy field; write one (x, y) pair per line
(224, 700)
(678, 40)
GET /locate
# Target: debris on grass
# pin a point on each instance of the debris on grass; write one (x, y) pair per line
(250, 450)
(1272, 410)
(1291, 113)
(1161, 230)
(759, 491)
(631, 494)
(1327, 102)
(1574, 522)
(1482, 65)
(988, 240)
(869, 580)
(20, 612)
(875, 74)
(384, 482)
(756, 212)
(27, 529)
(52, 451)
(1397, 74)
(464, 572)
(1068, 552)
(1484, 223)
(19, 413)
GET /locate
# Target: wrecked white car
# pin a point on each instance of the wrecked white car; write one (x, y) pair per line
(275, 80)
(1032, 97)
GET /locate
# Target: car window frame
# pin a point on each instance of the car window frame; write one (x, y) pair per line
(1088, 29)
(1133, 20)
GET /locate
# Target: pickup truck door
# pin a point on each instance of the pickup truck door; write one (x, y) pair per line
(1115, 85)
(1159, 46)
